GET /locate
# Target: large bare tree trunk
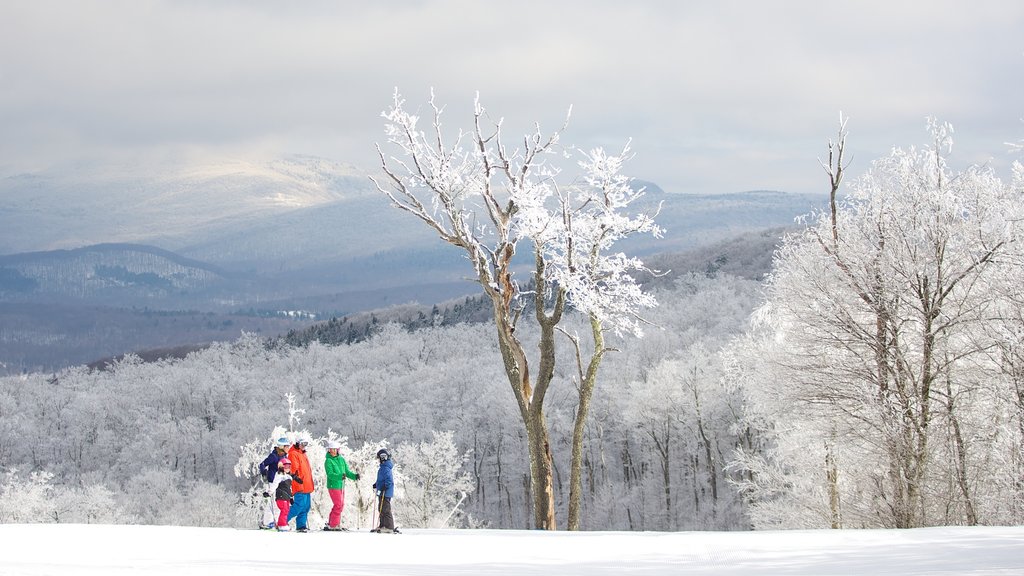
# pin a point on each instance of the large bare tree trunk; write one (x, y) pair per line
(541, 484)
(531, 398)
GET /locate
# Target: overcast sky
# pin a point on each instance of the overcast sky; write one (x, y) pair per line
(717, 96)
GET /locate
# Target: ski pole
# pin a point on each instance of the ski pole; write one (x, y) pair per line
(452, 513)
(380, 506)
(373, 517)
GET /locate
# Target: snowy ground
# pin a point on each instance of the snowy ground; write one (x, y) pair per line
(62, 549)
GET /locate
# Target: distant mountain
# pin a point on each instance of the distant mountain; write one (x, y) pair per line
(292, 213)
(123, 274)
(169, 204)
(693, 220)
(298, 235)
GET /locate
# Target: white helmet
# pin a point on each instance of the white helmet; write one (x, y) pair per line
(282, 442)
(333, 445)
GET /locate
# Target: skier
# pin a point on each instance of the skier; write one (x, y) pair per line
(337, 470)
(385, 489)
(268, 471)
(302, 487)
(282, 490)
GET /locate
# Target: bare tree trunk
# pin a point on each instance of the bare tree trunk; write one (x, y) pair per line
(662, 448)
(587, 383)
(541, 483)
(832, 477)
(708, 452)
(960, 458)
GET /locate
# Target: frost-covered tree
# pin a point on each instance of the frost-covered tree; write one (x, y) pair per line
(490, 200)
(38, 499)
(434, 481)
(879, 305)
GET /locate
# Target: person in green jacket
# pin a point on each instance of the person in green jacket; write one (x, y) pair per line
(337, 470)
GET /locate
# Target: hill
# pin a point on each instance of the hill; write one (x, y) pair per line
(92, 304)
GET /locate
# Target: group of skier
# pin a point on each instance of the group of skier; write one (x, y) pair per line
(289, 487)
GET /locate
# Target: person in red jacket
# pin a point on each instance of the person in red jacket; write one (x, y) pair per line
(303, 491)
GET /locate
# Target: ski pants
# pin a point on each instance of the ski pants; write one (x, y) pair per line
(386, 519)
(338, 499)
(283, 506)
(300, 510)
(268, 508)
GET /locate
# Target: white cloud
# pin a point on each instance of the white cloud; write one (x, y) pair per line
(717, 96)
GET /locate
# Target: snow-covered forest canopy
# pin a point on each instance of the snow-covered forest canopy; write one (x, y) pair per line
(162, 439)
(875, 379)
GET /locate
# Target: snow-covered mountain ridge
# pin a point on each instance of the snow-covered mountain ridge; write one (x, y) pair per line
(168, 204)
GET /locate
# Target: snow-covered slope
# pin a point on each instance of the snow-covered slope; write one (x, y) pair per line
(63, 549)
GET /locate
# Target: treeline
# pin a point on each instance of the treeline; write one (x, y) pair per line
(747, 256)
(359, 327)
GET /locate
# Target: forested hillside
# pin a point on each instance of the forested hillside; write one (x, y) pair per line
(163, 437)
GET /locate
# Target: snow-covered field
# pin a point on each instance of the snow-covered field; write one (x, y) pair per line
(62, 549)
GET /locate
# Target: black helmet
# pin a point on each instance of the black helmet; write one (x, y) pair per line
(383, 454)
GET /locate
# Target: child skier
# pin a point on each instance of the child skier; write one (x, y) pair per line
(385, 487)
(282, 490)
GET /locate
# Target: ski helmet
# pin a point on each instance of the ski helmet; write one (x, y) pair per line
(283, 442)
(333, 445)
(284, 462)
(383, 454)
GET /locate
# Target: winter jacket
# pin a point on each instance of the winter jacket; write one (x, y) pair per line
(385, 480)
(268, 468)
(300, 469)
(282, 486)
(337, 470)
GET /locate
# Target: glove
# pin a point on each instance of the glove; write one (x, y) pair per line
(266, 494)
(357, 476)
(374, 486)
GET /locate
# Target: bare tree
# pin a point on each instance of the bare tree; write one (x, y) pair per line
(489, 200)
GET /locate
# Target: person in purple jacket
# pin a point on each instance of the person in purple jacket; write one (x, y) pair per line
(268, 470)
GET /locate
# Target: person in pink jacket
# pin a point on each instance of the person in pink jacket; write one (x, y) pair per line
(282, 491)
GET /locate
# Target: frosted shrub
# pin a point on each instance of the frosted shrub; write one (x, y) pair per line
(26, 500)
(434, 481)
(205, 504)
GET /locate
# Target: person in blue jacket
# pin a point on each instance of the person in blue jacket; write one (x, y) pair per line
(268, 470)
(385, 489)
